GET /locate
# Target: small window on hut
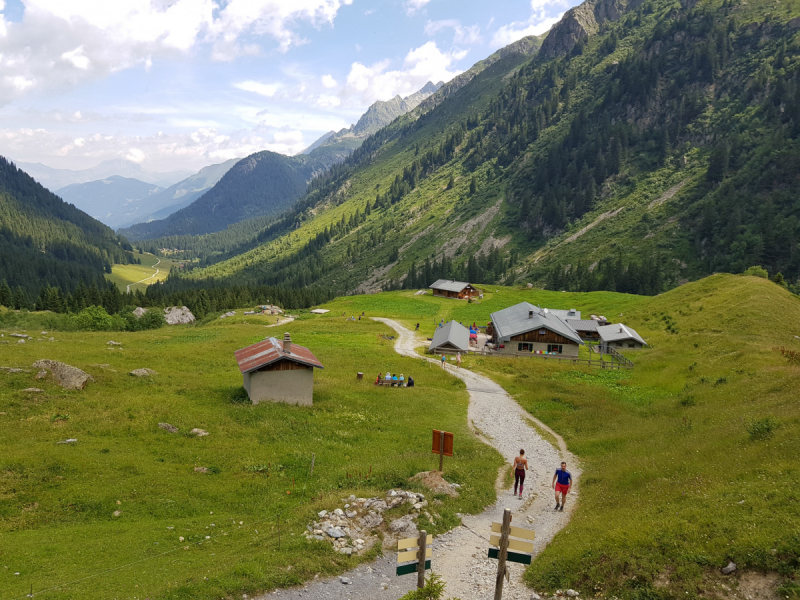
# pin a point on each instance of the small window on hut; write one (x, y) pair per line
(542, 331)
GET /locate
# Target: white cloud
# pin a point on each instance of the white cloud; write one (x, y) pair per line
(366, 84)
(262, 89)
(135, 155)
(60, 44)
(413, 6)
(328, 81)
(538, 23)
(461, 34)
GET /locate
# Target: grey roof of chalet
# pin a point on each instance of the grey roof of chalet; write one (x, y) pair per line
(619, 332)
(448, 285)
(515, 320)
(584, 324)
(453, 332)
(565, 314)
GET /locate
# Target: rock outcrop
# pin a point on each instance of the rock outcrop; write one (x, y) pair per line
(139, 311)
(143, 373)
(175, 315)
(68, 377)
(581, 22)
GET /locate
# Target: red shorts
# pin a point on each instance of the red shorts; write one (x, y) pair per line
(560, 487)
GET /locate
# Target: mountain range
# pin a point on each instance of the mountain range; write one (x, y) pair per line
(55, 179)
(638, 146)
(268, 182)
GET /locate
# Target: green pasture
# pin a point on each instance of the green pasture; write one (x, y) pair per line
(57, 500)
(124, 275)
(674, 483)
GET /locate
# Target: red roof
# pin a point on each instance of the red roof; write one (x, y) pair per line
(270, 351)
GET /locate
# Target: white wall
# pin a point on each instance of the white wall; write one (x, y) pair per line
(293, 387)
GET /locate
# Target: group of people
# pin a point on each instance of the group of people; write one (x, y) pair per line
(458, 360)
(395, 380)
(562, 480)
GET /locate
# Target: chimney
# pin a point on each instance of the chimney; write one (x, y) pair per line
(621, 329)
(287, 343)
(530, 314)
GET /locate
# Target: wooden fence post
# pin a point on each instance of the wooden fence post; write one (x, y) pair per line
(501, 556)
(423, 543)
(441, 451)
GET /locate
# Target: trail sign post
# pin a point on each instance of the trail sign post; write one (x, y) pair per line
(442, 445)
(422, 555)
(503, 543)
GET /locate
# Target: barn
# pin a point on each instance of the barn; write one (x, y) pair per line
(528, 328)
(278, 371)
(450, 337)
(450, 288)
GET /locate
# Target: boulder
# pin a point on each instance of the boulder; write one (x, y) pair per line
(19, 335)
(143, 373)
(113, 343)
(404, 527)
(168, 427)
(139, 311)
(175, 315)
(335, 532)
(68, 377)
(32, 391)
(371, 521)
(21, 341)
(199, 432)
(12, 370)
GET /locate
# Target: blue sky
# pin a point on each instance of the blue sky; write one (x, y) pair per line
(186, 83)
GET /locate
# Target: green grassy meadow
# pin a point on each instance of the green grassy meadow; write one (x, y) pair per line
(57, 500)
(673, 486)
(124, 275)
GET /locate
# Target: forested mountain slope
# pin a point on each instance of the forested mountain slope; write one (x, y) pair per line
(264, 183)
(649, 144)
(45, 241)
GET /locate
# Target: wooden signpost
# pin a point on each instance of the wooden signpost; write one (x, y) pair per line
(442, 445)
(422, 555)
(503, 543)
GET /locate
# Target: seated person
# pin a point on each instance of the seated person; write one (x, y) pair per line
(388, 376)
(394, 378)
(410, 382)
(378, 379)
(402, 378)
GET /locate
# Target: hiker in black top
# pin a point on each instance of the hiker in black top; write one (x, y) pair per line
(520, 466)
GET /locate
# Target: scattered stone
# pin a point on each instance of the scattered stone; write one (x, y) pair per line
(139, 311)
(729, 568)
(322, 514)
(12, 370)
(21, 341)
(199, 432)
(228, 314)
(42, 373)
(175, 315)
(143, 373)
(535, 596)
(200, 470)
(168, 427)
(335, 533)
(19, 335)
(116, 513)
(350, 514)
(44, 333)
(573, 593)
(32, 391)
(113, 343)
(67, 441)
(404, 527)
(371, 521)
(530, 286)
(347, 551)
(338, 512)
(345, 580)
(68, 377)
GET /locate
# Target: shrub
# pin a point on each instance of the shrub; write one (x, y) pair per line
(757, 272)
(761, 429)
(153, 319)
(95, 318)
(433, 590)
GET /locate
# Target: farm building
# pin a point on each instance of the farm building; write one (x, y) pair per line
(450, 288)
(275, 371)
(619, 337)
(451, 337)
(528, 328)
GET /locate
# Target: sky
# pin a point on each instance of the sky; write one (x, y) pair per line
(181, 84)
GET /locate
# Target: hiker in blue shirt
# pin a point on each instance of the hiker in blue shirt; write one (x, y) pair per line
(564, 478)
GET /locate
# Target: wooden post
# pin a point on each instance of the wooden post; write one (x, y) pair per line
(441, 451)
(423, 543)
(501, 556)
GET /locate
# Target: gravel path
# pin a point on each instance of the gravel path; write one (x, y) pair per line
(459, 556)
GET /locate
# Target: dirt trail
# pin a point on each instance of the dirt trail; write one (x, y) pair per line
(146, 278)
(460, 556)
